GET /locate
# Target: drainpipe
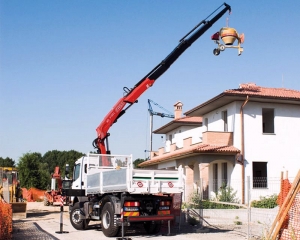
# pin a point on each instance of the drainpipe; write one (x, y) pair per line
(243, 149)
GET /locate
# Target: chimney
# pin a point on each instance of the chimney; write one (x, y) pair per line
(178, 109)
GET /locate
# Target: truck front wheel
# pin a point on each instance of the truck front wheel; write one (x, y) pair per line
(77, 223)
(107, 221)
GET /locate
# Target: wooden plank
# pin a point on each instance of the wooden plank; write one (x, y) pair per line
(279, 225)
(284, 208)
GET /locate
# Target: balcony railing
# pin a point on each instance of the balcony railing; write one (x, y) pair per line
(218, 138)
(260, 182)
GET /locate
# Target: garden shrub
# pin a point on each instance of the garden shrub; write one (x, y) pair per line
(225, 194)
(265, 202)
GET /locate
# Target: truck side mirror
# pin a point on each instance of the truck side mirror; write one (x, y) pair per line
(67, 171)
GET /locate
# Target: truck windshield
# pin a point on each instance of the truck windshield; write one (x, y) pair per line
(76, 171)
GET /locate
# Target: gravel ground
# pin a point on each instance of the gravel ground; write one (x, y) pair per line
(43, 222)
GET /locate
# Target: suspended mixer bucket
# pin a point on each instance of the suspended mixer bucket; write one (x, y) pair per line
(228, 35)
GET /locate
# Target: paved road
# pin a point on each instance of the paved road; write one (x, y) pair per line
(44, 223)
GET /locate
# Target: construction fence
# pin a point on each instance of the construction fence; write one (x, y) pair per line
(256, 215)
(5, 220)
(254, 189)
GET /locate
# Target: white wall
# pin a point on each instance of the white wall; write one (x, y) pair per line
(233, 175)
(215, 121)
(179, 134)
(280, 149)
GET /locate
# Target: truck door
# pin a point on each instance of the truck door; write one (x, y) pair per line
(79, 174)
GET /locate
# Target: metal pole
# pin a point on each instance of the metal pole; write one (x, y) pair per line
(180, 211)
(122, 229)
(249, 207)
(61, 216)
(201, 202)
(151, 129)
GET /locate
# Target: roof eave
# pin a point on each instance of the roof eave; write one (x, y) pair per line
(226, 98)
(189, 153)
(175, 124)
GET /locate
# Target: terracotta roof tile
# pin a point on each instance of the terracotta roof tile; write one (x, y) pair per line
(184, 152)
(216, 148)
(253, 90)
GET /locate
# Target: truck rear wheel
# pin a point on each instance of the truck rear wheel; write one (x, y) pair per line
(77, 223)
(107, 221)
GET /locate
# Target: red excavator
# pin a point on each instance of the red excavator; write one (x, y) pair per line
(54, 195)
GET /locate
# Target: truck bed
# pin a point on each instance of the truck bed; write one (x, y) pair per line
(135, 181)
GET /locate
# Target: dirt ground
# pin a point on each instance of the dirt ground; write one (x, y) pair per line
(43, 222)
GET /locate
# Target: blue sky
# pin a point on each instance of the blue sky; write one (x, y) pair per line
(64, 65)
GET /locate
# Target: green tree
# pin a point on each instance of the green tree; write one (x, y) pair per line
(137, 162)
(70, 157)
(35, 170)
(45, 176)
(29, 170)
(56, 158)
(51, 160)
(7, 162)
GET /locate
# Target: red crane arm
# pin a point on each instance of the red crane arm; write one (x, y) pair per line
(133, 94)
(117, 111)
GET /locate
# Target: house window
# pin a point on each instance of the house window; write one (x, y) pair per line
(170, 137)
(224, 173)
(225, 120)
(215, 177)
(260, 175)
(268, 120)
(206, 123)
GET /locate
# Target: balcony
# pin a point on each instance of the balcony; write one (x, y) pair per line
(217, 138)
(212, 138)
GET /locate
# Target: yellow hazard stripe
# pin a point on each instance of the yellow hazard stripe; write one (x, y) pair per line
(130, 214)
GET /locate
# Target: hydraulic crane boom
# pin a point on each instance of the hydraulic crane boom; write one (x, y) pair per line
(131, 95)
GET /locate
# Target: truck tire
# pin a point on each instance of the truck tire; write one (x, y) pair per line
(46, 202)
(152, 228)
(77, 223)
(107, 221)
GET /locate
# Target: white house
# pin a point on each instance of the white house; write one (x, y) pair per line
(250, 131)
